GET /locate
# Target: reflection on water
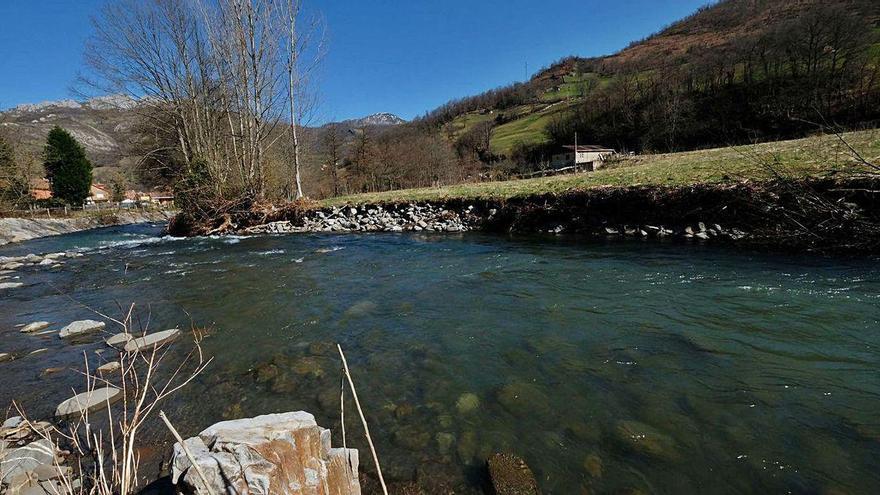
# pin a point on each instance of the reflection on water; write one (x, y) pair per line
(608, 367)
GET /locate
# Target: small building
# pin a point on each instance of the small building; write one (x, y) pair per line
(586, 156)
(40, 189)
(98, 193)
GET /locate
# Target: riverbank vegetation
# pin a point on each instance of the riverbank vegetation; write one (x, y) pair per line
(823, 155)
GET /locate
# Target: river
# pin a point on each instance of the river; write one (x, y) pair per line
(636, 367)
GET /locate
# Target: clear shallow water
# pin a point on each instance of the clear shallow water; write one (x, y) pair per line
(663, 368)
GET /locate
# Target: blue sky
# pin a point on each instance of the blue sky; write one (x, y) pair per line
(399, 56)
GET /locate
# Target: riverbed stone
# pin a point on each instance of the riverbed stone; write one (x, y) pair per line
(152, 340)
(35, 326)
(467, 402)
(645, 440)
(524, 399)
(120, 339)
(10, 285)
(281, 454)
(81, 327)
(88, 401)
(5, 356)
(511, 475)
(593, 465)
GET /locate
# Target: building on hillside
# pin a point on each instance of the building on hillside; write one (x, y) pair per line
(585, 156)
(40, 189)
(162, 198)
(98, 193)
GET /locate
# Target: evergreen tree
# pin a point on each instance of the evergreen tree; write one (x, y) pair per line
(67, 168)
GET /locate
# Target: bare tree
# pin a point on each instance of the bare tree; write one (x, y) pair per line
(212, 74)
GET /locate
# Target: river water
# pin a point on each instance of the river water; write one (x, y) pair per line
(623, 367)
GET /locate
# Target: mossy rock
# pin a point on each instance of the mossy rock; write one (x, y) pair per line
(524, 399)
(646, 440)
(593, 465)
(510, 475)
(467, 402)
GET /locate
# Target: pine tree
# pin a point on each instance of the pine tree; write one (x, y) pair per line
(68, 169)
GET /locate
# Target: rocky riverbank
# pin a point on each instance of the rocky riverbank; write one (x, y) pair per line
(23, 229)
(816, 215)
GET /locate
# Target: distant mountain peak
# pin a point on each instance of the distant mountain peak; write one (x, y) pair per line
(377, 119)
(108, 102)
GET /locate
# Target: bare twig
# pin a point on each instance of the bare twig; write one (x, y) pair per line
(186, 450)
(357, 403)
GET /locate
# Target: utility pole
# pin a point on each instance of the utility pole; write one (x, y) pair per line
(575, 150)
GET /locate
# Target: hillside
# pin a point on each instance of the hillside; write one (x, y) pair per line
(816, 157)
(103, 125)
(717, 37)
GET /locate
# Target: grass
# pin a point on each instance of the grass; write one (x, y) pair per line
(814, 156)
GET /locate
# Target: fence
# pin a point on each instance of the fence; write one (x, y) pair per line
(71, 211)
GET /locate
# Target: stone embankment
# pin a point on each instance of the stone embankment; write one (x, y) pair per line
(23, 229)
(462, 218)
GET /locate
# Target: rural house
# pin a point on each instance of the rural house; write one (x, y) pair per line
(586, 156)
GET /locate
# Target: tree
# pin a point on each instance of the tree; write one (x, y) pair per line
(332, 144)
(68, 169)
(13, 186)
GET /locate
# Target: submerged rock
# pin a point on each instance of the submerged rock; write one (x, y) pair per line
(87, 402)
(511, 475)
(467, 402)
(35, 327)
(81, 327)
(277, 454)
(646, 440)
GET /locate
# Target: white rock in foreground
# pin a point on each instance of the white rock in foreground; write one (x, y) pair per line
(81, 327)
(277, 454)
(35, 326)
(151, 340)
(10, 285)
(88, 401)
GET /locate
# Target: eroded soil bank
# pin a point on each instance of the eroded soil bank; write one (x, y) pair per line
(812, 215)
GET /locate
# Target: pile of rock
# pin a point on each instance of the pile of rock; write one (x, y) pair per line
(389, 218)
(30, 463)
(698, 231)
(277, 454)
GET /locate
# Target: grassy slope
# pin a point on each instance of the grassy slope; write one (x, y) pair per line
(813, 156)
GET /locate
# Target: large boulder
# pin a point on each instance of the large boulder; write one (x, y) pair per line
(277, 454)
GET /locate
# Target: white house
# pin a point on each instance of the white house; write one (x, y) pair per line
(586, 156)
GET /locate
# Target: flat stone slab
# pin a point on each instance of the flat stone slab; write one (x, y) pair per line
(119, 339)
(81, 327)
(151, 340)
(10, 285)
(5, 356)
(109, 367)
(88, 401)
(35, 326)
